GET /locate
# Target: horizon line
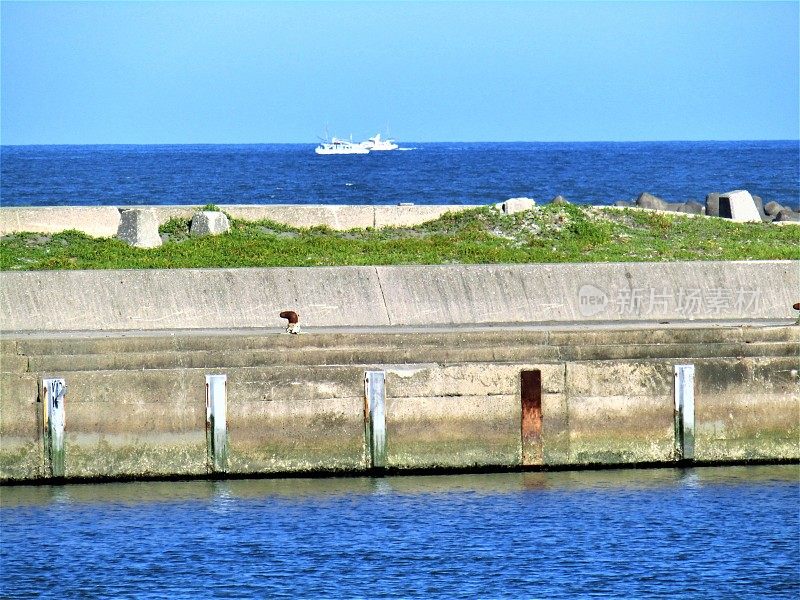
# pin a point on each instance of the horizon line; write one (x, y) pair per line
(2, 144)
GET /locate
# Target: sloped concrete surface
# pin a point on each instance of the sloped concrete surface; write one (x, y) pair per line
(421, 296)
(189, 298)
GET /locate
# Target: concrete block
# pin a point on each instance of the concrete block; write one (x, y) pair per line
(515, 205)
(691, 207)
(551, 293)
(555, 427)
(138, 227)
(296, 419)
(739, 206)
(773, 208)
(747, 408)
(468, 414)
(209, 222)
(97, 221)
(647, 200)
(286, 436)
(712, 204)
(760, 207)
(297, 385)
(135, 423)
(620, 412)
(8, 347)
(12, 363)
(470, 379)
(21, 449)
(452, 431)
(787, 215)
(466, 294)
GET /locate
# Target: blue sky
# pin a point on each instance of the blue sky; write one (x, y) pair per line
(229, 72)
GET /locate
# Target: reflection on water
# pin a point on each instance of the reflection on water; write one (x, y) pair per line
(493, 483)
(729, 531)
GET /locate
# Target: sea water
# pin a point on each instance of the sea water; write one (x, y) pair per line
(724, 532)
(440, 173)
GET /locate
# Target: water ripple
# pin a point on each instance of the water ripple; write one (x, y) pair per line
(723, 532)
(476, 173)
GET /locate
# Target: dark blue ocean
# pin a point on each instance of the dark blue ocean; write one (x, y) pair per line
(440, 173)
(726, 532)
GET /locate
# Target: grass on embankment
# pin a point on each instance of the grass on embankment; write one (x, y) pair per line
(551, 233)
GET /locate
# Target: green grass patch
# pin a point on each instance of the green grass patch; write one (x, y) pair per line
(551, 233)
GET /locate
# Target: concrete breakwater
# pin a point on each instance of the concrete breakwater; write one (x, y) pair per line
(191, 404)
(139, 374)
(103, 221)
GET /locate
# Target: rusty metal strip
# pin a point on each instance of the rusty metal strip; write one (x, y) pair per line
(531, 397)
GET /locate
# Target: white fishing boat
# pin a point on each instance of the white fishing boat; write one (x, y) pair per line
(337, 146)
(375, 143)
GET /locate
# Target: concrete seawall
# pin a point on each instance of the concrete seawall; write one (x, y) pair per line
(103, 221)
(398, 296)
(138, 374)
(136, 404)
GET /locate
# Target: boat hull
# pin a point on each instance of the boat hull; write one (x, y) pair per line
(354, 150)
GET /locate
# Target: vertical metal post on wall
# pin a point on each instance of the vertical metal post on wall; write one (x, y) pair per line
(216, 422)
(53, 413)
(684, 412)
(375, 417)
(531, 396)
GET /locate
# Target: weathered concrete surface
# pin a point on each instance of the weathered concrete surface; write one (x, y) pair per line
(181, 349)
(103, 221)
(130, 417)
(135, 423)
(188, 298)
(296, 419)
(555, 418)
(99, 221)
(549, 292)
(747, 408)
(620, 412)
(138, 227)
(209, 222)
(410, 296)
(21, 449)
(452, 416)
